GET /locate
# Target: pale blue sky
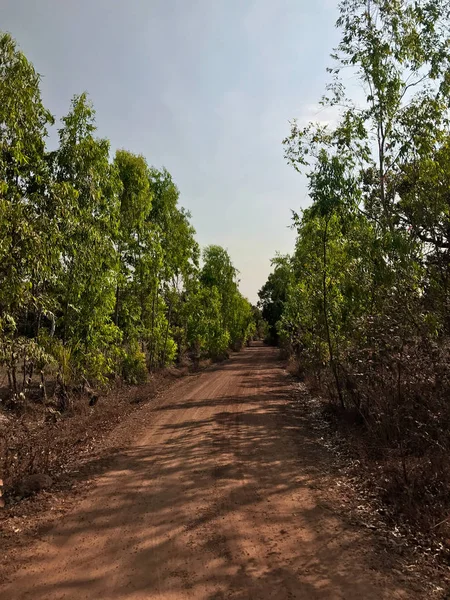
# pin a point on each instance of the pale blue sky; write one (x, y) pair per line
(203, 87)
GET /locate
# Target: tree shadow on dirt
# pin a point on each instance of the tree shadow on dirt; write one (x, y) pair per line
(224, 500)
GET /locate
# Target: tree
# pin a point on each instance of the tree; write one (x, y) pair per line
(24, 179)
(400, 55)
(135, 205)
(29, 239)
(99, 266)
(89, 262)
(219, 274)
(205, 335)
(365, 303)
(273, 295)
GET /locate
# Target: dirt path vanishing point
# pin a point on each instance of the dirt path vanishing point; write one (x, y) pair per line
(222, 495)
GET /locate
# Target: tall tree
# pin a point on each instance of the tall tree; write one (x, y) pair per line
(132, 242)
(26, 258)
(89, 259)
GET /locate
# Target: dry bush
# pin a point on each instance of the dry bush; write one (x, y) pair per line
(46, 441)
(37, 438)
(397, 421)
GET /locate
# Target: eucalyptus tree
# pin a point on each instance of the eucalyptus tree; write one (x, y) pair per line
(274, 294)
(202, 312)
(180, 251)
(89, 260)
(218, 273)
(99, 266)
(132, 242)
(26, 259)
(330, 285)
(399, 52)
(29, 238)
(179, 260)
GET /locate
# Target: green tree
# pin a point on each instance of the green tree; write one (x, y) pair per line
(205, 335)
(25, 258)
(89, 260)
(29, 237)
(99, 266)
(274, 294)
(399, 53)
(135, 205)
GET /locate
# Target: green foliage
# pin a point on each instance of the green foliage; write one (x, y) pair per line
(62, 354)
(203, 317)
(99, 266)
(219, 275)
(88, 256)
(360, 248)
(27, 234)
(362, 305)
(134, 367)
(273, 296)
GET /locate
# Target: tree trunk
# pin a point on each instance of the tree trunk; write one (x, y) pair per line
(152, 344)
(325, 315)
(166, 335)
(43, 388)
(116, 309)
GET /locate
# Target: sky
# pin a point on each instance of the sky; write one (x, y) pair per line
(205, 88)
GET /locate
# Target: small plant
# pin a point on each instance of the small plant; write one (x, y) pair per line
(134, 367)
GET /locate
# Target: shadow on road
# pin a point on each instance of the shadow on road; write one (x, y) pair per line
(223, 497)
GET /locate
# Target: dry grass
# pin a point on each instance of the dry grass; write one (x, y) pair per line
(36, 438)
(397, 446)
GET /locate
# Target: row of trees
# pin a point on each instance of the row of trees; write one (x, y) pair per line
(363, 302)
(99, 268)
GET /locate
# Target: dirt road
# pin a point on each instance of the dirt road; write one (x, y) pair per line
(222, 495)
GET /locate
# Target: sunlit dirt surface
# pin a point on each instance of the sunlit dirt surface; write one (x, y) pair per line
(222, 495)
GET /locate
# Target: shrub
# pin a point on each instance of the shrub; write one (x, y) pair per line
(134, 367)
